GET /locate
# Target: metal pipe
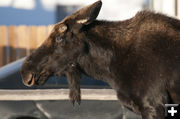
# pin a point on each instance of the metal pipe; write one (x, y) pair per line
(11, 68)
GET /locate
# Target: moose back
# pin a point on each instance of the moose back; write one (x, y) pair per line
(139, 58)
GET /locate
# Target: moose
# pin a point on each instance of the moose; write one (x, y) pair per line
(138, 57)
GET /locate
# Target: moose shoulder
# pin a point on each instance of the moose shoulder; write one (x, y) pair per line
(138, 57)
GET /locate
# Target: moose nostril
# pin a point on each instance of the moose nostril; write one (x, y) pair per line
(29, 80)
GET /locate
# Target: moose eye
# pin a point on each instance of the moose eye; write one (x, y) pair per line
(59, 39)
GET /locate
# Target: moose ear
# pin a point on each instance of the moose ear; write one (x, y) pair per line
(87, 14)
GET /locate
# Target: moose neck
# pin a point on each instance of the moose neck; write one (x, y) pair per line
(117, 32)
(104, 40)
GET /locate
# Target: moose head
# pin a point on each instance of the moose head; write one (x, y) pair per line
(62, 49)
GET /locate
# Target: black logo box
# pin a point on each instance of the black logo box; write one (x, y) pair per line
(170, 107)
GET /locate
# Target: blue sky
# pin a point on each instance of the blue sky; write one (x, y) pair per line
(43, 12)
(37, 16)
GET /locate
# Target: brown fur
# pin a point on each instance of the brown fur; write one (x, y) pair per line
(138, 57)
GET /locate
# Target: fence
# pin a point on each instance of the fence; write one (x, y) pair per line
(18, 41)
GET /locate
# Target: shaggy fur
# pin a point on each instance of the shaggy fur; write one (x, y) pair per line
(138, 57)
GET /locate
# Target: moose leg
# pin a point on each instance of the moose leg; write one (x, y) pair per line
(157, 112)
(148, 108)
(73, 78)
(153, 107)
(128, 102)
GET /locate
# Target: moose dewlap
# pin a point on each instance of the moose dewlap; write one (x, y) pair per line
(139, 58)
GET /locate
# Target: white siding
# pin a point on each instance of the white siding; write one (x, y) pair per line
(165, 6)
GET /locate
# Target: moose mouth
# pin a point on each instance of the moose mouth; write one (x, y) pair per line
(37, 79)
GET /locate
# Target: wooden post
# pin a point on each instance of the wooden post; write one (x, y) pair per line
(12, 43)
(49, 29)
(22, 41)
(41, 35)
(3, 45)
(32, 38)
